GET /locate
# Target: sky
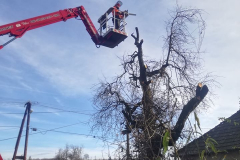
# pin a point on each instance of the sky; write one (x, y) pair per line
(56, 66)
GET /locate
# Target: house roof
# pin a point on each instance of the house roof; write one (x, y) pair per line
(226, 134)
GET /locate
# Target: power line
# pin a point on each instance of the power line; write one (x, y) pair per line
(40, 154)
(46, 112)
(7, 129)
(60, 110)
(64, 132)
(5, 100)
(46, 130)
(21, 101)
(79, 134)
(77, 112)
(32, 90)
(10, 126)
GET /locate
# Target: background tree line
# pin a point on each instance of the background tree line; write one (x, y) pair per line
(71, 152)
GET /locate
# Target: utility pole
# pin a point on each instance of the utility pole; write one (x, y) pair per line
(26, 114)
(128, 154)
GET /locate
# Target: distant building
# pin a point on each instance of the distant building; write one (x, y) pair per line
(226, 134)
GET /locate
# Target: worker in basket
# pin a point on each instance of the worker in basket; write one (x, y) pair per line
(118, 14)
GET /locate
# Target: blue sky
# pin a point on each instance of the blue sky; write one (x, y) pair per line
(57, 65)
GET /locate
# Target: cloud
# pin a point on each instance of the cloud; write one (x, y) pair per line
(58, 101)
(26, 86)
(70, 73)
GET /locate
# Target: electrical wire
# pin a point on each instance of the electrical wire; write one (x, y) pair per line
(11, 99)
(32, 90)
(22, 102)
(40, 154)
(46, 112)
(60, 110)
(77, 112)
(8, 129)
(10, 126)
(64, 132)
(46, 130)
(80, 134)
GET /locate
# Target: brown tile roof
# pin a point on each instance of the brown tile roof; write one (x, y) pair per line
(227, 135)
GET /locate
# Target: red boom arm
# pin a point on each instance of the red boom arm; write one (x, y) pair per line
(17, 29)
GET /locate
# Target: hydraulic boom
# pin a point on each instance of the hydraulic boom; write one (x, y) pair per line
(17, 29)
(110, 38)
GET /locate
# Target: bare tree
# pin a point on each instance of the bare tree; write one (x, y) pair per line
(151, 100)
(86, 156)
(70, 152)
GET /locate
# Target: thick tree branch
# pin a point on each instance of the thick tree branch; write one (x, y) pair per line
(187, 109)
(138, 44)
(158, 71)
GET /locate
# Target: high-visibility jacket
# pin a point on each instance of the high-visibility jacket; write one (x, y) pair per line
(118, 13)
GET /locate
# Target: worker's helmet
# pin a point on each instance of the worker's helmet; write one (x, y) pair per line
(118, 4)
